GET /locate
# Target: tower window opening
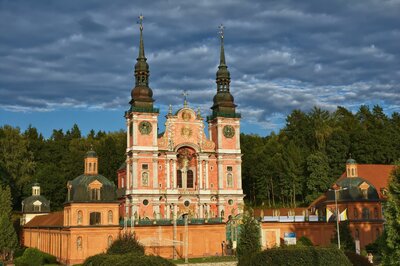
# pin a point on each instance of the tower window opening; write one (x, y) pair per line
(190, 179)
(179, 179)
(90, 167)
(95, 194)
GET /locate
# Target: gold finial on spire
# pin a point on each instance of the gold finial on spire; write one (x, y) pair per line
(141, 17)
(185, 94)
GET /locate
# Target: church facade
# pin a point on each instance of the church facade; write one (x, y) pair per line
(183, 170)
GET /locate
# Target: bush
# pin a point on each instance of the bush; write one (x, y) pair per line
(357, 260)
(34, 257)
(304, 242)
(133, 259)
(126, 243)
(298, 256)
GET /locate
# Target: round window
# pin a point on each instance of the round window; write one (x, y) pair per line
(186, 203)
(145, 202)
(230, 202)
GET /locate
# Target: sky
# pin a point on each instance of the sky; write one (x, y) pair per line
(66, 62)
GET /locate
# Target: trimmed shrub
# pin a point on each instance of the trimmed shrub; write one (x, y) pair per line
(34, 257)
(133, 259)
(126, 243)
(357, 260)
(298, 256)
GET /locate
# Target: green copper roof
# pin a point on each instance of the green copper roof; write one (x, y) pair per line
(29, 207)
(353, 191)
(351, 161)
(91, 154)
(80, 191)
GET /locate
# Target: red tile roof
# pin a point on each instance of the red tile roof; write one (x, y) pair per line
(54, 219)
(376, 174)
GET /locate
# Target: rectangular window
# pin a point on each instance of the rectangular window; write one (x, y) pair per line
(145, 166)
(229, 168)
(95, 218)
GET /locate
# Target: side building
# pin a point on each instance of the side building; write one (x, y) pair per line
(360, 193)
(88, 223)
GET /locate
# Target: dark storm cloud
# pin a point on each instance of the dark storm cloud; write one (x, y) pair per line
(282, 54)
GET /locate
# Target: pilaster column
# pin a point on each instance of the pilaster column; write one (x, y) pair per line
(239, 176)
(128, 175)
(237, 137)
(200, 173)
(206, 170)
(134, 173)
(219, 130)
(168, 173)
(128, 133)
(155, 173)
(168, 211)
(174, 172)
(134, 129)
(175, 210)
(201, 211)
(220, 173)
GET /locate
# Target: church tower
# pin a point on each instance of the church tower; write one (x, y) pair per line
(224, 131)
(141, 152)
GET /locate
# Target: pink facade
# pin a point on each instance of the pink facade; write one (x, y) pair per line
(181, 171)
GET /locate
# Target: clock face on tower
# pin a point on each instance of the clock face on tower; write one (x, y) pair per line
(145, 127)
(229, 131)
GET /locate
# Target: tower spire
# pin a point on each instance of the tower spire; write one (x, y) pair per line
(142, 95)
(223, 101)
(222, 53)
(141, 45)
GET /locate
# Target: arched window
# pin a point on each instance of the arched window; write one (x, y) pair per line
(110, 217)
(179, 179)
(352, 172)
(365, 213)
(79, 243)
(357, 234)
(95, 218)
(79, 218)
(190, 179)
(109, 241)
(145, 179)
(90, 167)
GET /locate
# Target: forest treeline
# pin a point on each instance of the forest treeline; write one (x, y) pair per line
(289, 168)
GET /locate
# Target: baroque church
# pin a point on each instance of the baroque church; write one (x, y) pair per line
(182, 170)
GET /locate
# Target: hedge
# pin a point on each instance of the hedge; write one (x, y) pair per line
(357, 260)
(133, 259)
(34, 257)
(298, 256)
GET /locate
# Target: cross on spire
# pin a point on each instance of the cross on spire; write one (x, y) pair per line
(185, 94)
(141, 17)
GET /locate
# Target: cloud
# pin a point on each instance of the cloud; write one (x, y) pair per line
(282, 55)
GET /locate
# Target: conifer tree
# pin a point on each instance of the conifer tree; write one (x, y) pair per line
(249, 242)
(346, 238)
(8, 237)
(391, 254)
